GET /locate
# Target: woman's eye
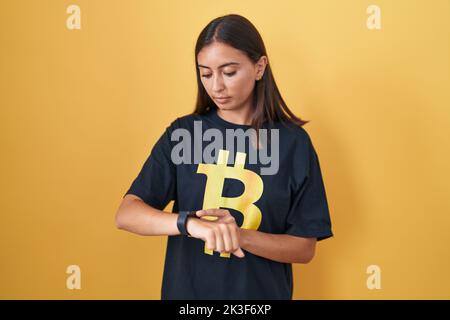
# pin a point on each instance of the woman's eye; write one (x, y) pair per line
(229, 74)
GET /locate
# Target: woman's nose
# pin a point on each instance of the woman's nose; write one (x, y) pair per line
(218, 84)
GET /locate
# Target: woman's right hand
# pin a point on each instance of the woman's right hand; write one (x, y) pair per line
(221, 235)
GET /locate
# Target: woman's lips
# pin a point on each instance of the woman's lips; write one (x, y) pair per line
(222, 100)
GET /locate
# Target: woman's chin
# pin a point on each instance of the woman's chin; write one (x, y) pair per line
(225, 107)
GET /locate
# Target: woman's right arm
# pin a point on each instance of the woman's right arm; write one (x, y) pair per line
(134, 215)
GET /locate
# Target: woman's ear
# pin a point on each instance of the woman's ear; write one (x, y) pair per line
(260, 67)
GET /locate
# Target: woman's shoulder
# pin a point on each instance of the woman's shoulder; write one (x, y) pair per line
(293, 132)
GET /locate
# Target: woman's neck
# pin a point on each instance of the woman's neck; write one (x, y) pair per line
(242, 116)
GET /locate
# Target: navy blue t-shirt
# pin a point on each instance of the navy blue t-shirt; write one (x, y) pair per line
(292, 201)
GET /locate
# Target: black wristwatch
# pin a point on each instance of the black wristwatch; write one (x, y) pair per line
(182, 220)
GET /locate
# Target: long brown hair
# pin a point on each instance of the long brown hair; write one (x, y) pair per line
(240, 33)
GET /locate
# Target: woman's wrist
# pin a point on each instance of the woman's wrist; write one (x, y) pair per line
(189, 223)
(243, 237)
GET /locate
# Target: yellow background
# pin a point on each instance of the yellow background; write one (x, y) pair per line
(81, 109)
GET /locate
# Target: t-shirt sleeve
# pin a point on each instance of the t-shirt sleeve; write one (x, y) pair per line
(309, 214)
(156, 182)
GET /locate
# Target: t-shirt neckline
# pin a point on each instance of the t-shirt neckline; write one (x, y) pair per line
(226, 123)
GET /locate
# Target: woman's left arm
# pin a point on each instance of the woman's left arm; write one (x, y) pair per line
(278, 247)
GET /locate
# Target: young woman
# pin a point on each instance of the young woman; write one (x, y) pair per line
(235, 229)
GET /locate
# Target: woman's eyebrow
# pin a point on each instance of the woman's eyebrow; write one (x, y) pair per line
(221, 66)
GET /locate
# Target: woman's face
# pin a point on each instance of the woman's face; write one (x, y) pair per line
(228, 73)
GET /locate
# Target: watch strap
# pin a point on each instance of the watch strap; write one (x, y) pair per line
(182, 221)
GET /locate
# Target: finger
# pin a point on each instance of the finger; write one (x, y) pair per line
(223, 212)
(211, 241)
(239, 253)
(229, 219)
(228, 242)
(226, 219)
(234, 236)
(198, 213)
(219, 241)
(203, 214)
(212, 212)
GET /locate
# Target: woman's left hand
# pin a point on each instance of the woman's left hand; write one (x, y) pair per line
(223, 217)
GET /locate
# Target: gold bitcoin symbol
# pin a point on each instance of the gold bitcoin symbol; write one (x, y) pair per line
(253, 189)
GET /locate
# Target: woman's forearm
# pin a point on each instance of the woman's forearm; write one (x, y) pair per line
(278, 247)
(136, 216)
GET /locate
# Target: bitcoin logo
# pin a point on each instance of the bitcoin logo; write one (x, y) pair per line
(253, 189)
